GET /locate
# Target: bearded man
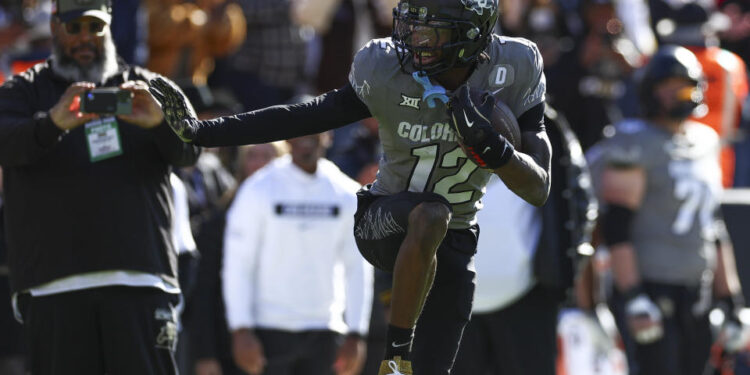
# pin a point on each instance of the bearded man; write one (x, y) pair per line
(88, 206)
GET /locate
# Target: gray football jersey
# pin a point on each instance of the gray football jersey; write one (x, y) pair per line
(673, 230)
(420, 151)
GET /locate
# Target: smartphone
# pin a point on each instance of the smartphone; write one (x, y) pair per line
(107, 100)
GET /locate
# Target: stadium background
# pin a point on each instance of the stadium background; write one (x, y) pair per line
(591, 48)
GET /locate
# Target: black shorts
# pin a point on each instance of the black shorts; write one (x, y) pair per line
(113, 330)
(380, 227)
(381, 220)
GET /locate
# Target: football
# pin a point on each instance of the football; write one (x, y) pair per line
(502, 119)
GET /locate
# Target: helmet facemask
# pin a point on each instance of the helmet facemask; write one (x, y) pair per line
(434, 44)
(672, 64)
(688, 99)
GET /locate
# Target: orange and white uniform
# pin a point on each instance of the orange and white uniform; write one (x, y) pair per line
(726, 91)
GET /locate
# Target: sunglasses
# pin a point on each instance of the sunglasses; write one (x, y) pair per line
(94, 27)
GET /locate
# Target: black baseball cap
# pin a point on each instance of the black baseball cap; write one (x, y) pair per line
(68, 10)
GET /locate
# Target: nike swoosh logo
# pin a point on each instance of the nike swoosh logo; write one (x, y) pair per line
(497, 91)
(468, 123)
(393, 344)
(485, 150)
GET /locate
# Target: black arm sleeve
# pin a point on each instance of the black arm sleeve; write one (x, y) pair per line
(331, 110)
(533, 119)
(172, 149)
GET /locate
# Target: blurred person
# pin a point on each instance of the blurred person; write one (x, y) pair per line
(593, 75)
(589, 342)
(12, 356)
(182, 236)
(296, 291)
(736, 37)
(210, 179)
(417, 219)
(12, 28)
(254, 157)
(269, 66)
(695, 25)
(203, 185)
(659, 183)
(381, 16)
(742, 149)
(25, 38)
(526, 259)
(88, 207)
(206, 183)
(130, 30)
(187, 263)
(210, 347)
(357, 154)
(544, 23)
(184, 37)
(334, 25)
(359, 151)
(636, 25)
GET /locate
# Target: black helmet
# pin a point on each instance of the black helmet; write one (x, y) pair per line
(437, 35)
(670, 62)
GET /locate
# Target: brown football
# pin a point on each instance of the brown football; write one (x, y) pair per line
(502, 119)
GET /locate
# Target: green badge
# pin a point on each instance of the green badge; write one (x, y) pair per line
(103, 139)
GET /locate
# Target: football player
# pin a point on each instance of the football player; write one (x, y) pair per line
(659, 182)
(417, 219)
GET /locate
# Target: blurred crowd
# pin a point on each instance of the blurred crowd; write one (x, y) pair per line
(237, 55)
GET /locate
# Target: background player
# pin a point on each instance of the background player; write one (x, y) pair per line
(659, 180)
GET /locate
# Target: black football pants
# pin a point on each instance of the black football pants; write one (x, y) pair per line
(299, 353)
(379, 230)
(686, 345)
(113, 330)
(520, 339)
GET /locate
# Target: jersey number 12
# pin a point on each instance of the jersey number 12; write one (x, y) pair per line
(425, 165)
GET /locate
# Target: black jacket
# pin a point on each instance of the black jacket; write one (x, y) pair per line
(569, 214)
(66, 215)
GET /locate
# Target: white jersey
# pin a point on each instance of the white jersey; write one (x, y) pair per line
(290, 260)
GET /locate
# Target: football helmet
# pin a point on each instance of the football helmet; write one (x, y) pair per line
(670, 62)
(433, 36)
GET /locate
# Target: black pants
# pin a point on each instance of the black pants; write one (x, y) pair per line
(520, 339)
(299, 353)
(380, 228)
(686, 345)
(113, 330)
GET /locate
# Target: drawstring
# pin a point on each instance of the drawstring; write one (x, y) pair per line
(394, 367)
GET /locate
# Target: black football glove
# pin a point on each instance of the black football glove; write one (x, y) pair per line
(178, 111)
(481, 143)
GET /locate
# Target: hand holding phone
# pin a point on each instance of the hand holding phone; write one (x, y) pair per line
(66, 113)
(146, 112)
(107, 100)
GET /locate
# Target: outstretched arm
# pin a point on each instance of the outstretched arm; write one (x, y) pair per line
(328, 111)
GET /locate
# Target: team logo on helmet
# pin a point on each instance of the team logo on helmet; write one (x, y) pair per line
(479, 6)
